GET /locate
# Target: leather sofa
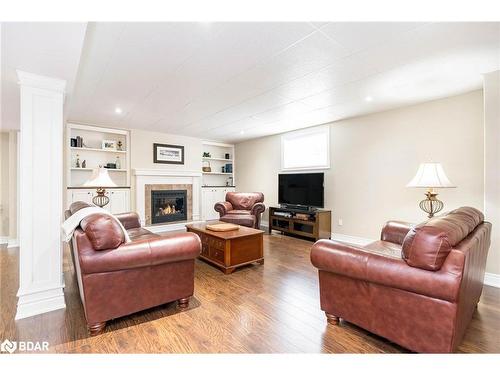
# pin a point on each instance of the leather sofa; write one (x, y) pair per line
(117, 279)
(242, 208)
(418, 286)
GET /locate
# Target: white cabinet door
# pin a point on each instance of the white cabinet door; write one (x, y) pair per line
(84, 195)
(119, 201)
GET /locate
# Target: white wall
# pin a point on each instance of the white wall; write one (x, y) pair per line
(4, 185)
(141, 152)
(373, 157)
(492, 165)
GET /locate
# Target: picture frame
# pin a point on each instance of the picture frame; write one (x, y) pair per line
(168, 154)
(108, 145)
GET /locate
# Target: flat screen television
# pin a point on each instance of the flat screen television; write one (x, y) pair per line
(301, 189)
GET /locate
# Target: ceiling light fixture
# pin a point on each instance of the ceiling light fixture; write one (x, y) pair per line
(369, 99)
(242, 132)
(118, 110)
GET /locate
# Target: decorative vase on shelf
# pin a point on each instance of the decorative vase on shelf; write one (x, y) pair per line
(77, 163)
(118, 163)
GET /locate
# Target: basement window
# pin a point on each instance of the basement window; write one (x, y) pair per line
(306, 149)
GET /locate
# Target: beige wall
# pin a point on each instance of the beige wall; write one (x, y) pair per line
(373, 157)
(492, 165)
(141, 153)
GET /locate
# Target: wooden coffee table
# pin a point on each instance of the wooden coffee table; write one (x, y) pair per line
(232, 249)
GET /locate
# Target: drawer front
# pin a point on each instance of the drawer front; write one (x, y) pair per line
(217, 254)
(204, 249)
(215, 243)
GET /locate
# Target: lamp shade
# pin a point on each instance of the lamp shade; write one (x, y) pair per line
(100, 178)
(430, 175)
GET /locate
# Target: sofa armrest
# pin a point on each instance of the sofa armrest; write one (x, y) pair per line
(149, 252)
(354, 262)
(223, 207)
(129, 220)
(395, 231)
(258, 208)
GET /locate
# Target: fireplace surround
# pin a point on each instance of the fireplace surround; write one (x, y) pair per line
(147, 180)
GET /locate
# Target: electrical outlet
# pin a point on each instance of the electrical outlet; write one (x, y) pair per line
(341, 222)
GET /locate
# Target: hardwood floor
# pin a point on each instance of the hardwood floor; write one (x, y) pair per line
(270, 308)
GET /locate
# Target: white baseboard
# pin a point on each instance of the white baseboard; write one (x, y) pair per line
(13, 242)
(39, 302)
(4, 240)
(492, 279)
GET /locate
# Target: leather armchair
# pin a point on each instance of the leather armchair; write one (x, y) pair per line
(108, 269)
(417, 286)
(242, 208)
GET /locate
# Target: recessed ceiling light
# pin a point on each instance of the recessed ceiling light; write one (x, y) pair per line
(118, 110)
(242, 132)
(368, 99)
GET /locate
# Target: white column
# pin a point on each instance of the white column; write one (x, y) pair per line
(491, 92)
(41, 195)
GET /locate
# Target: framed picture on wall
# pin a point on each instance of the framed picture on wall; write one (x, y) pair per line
(168, 154)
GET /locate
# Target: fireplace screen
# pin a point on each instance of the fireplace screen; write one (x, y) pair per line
(168, 205)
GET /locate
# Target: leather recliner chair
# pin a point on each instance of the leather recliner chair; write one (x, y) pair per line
(418, 286)
(117, 279)
(242, 208)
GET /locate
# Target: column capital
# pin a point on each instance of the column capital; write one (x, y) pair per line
(41, 82)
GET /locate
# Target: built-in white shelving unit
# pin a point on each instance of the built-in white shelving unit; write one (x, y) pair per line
(215, 184)
(95, 156)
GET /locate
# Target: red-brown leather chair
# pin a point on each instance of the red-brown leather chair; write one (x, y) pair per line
(242, 208)
(117, 279)
(418, 286)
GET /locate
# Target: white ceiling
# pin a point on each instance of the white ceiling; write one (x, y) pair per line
(45, 48)
(236, 81)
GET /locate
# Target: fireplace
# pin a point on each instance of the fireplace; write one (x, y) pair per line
(168, 206)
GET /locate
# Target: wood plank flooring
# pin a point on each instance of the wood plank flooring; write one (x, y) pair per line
(270, 308)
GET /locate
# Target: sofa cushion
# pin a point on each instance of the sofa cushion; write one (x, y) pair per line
(244, 201)
(238, 212)
(103, 231)
(244, 220)
(428, 244)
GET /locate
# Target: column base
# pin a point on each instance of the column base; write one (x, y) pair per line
(39, 302)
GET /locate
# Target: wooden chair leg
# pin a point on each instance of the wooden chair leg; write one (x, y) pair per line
(96, 328)
(183, 303)
(332, 319)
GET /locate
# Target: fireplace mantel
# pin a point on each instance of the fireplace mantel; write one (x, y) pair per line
(164, 172)
(145, 177)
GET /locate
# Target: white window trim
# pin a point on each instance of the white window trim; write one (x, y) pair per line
(323, 129)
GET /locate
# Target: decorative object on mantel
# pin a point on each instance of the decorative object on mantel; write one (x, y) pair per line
(430, 176)
(168, 154)
(109, 145)
(206, 166)
(100, 180)
(222, 227)
(206, 155)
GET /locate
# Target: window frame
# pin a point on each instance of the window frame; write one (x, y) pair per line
(323, 129)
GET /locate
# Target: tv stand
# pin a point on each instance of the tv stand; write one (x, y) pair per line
(313, 224)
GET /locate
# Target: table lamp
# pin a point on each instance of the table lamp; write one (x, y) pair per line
(100, 180)
(430, 176)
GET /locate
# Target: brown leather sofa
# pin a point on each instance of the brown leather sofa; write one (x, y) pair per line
(242, 208)
(117, 278)
(418, 286)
